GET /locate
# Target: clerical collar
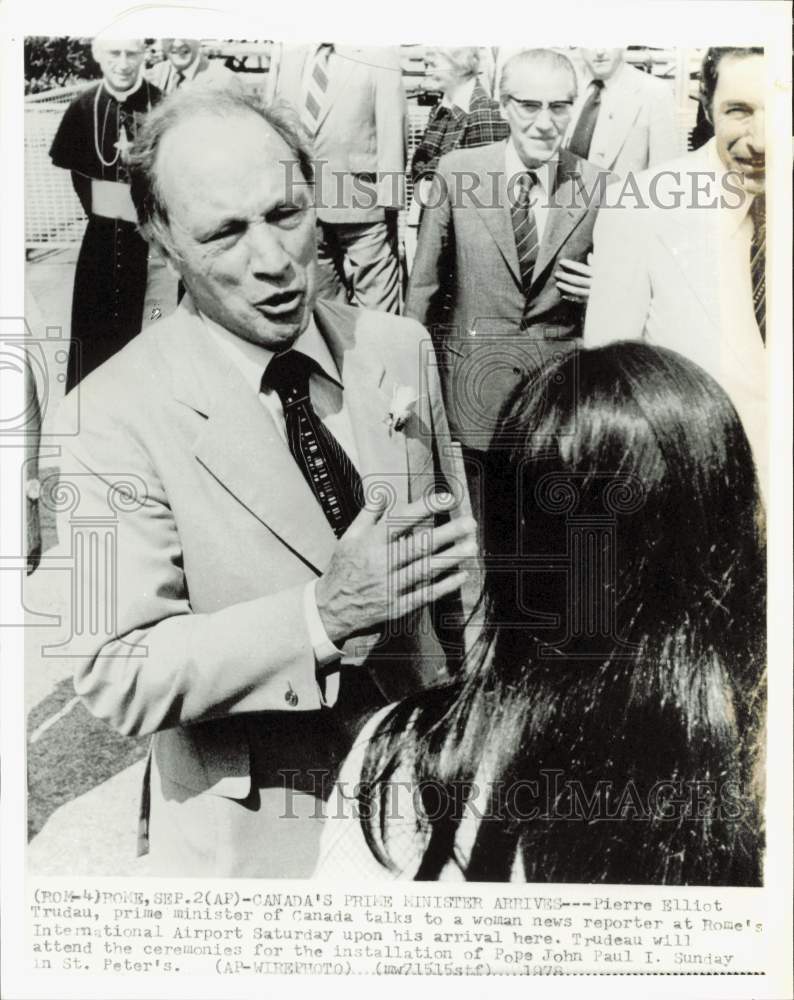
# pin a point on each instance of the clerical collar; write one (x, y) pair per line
(122, 95)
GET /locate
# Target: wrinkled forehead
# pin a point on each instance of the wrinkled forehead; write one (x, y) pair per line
(539, 81)
(210, 155)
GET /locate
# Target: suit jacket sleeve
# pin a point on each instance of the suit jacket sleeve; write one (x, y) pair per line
(390, 126)
(430, 288)
(620, 294)
(148, 662)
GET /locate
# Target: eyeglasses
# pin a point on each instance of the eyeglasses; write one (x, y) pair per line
(529, 110)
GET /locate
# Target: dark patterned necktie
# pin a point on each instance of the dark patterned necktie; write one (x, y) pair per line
(758, 261)
(324, 463)
(179, 79)
(585, 126)
(525, 228)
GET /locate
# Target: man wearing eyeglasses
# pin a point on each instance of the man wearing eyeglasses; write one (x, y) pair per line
(501, 273)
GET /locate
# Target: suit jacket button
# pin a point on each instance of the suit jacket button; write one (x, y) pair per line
(291, 697)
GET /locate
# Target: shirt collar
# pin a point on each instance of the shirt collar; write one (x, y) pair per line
(190, 72)
(613, 80)
(253, 359)
(121, 96)
(460, 95)
(546, 172)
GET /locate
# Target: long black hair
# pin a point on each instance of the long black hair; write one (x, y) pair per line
(613, 705)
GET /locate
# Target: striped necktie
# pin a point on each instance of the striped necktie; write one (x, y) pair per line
(316, 85)
(583, 132)
(758, 261)
(525, 228)
(324, 463)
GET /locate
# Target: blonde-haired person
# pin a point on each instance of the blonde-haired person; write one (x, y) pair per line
(465, 117)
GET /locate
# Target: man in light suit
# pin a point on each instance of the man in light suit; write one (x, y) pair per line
(185, 63)
(499, 277)
(624, 120)
(679, 256)
(352, 103)
(256, 614)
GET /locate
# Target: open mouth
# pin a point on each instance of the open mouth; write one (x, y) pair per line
(280, 304)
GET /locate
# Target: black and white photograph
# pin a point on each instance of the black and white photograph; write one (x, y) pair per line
(402, 468)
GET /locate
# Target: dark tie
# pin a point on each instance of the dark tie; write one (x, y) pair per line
(585, 126)
(758, 261)
(179, 80)
(525, 228)
(324, 463)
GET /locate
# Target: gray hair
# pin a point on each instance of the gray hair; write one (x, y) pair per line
(546, 59)
(195, 102)
(464, 58)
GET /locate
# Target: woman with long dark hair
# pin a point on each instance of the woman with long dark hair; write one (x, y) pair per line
(609, 725)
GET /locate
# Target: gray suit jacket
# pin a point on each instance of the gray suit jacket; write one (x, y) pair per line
(466, 288)
(360, 143)
(204, 534)
(636, 126)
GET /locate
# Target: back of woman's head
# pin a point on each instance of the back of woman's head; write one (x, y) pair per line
(620, 669)
(628, 461)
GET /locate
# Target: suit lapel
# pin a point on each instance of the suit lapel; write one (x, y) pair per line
(367, 388)
(493, 207)
(568, 208)
(341, 66)
(619, 117)
(240, 445)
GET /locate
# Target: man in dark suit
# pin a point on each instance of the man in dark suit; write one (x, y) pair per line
(254, 613)
(501, 272)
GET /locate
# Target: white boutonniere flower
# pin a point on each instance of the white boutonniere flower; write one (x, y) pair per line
(403, 400)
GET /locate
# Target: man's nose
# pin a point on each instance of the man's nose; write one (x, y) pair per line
(756, 137)
(544, 120)
(268, 256)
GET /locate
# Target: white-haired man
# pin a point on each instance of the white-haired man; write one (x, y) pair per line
(92, 141)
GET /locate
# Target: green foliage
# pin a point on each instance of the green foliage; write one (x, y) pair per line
(57, 62)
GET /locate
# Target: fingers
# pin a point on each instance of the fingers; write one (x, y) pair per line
(572, 280)
(572, 293)
(577, 266)
(426, 570)
(431, 592)
(419, 545)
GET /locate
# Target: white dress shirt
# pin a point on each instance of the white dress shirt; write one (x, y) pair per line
(327, 397)
(541, 193)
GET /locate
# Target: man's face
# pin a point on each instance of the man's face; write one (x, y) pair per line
(242, 226)
(120, 62)
(181, 51)
(602, 63)
(537, 105)
(737, 113)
